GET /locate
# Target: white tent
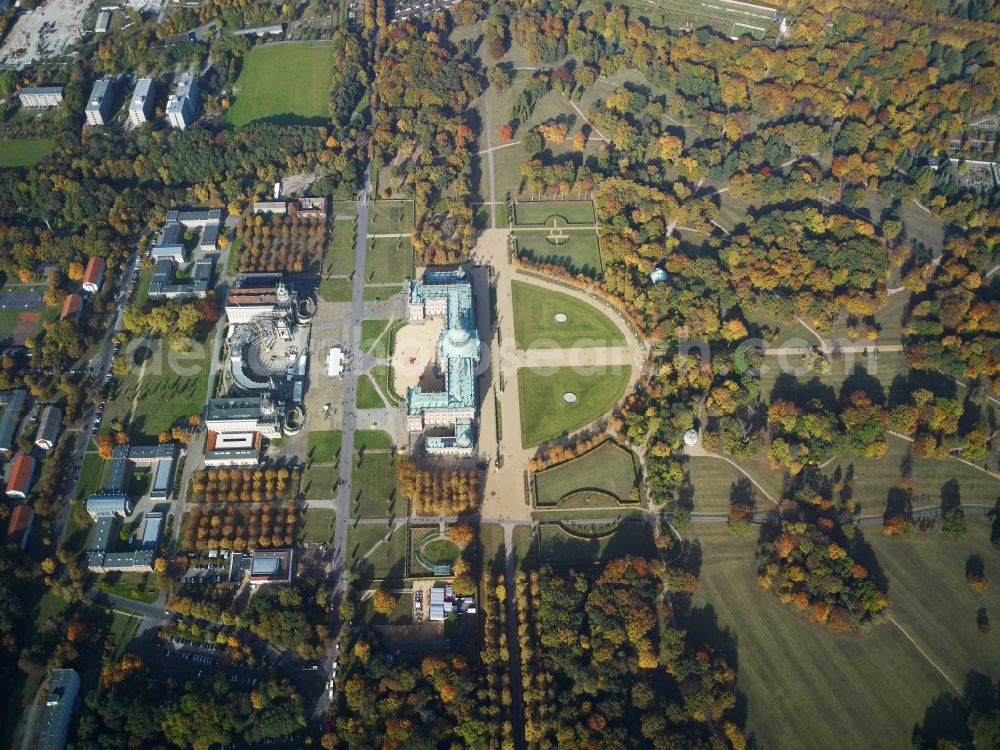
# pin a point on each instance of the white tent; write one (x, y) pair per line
(335, 362)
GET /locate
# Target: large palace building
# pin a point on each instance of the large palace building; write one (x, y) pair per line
(449, 415)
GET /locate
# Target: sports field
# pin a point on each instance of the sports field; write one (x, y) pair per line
(535, 326)
(537, 213)
(389, 260)
(544, 414)
(577, 253)
(22, 152)
(609, 468)
(284, 83)
(873, 686)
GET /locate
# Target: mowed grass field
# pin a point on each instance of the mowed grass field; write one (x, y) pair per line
(609, 467)
(324, 445)
(852, 690)
(284, 83)
(173, 386)
(565, 550)
(23, 152)
(368, 396)
(386, 558)
(578, 253)
(317, 525)
(391, 217)
(536, 213)
(713, 479)
(374, 485)
(544, 414)
(389, 260)
(339, 260)
(535, 309)
(335, 290)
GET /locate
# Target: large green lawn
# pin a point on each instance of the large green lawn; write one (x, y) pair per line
(713, 480)
(387, 558)
(373, 333)
(22, 152)
(872, 686)
(608, 467)
(369, 440)
(544, 414)
(317, 525)
(335, 290)
(172, 388)
(374, 486)
(535, 327)
(320, 482)
(537, 213)
(564, 550)
(324, 446)
(389, 260)
(578, 253)
(284, 83)
(390, 217)
(368, 397)
(339, 259)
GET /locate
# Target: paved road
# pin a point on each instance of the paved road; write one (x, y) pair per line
(342, 502)
(101, 365)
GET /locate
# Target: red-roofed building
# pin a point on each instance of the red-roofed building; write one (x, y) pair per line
(19, 527)
(72, 307)
(93, 277)
(22, 472)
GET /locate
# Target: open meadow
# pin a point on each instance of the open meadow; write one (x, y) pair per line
(285, 84)
(872, 686)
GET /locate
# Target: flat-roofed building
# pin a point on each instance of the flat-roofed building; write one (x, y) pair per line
(19, 527)
(41, 96)
(72, 307)
(151, 531)
(103, 22)
(20, 476)
(182, 105)
(101, 104)
(141, 105)
(13, 404)
(232, 449)
(242, 415)
(139, 561)
(166, 284)
(270, 207)
(60, 700)
(272, 566)
(93, 276)
(105, 504)
(274, 29)
(49, 427)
